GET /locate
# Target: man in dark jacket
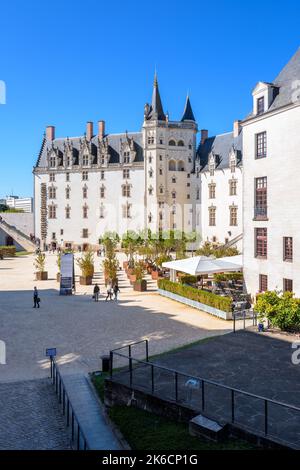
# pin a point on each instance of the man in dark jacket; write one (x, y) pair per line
(36, 299)
(96, 293)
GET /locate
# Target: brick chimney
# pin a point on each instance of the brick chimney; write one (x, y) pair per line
(101, 129)
(89, 130)
(236, 128)
(204, 136)
(50, 132)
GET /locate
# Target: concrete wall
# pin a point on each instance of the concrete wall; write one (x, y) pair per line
(22, 221)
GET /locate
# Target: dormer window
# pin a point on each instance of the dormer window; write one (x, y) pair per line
(126, 157)
(232, 164)
(52, 162)
(85, 160)
(211, 166)
(261, 105)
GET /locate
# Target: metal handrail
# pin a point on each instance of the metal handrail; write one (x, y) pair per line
(68, 410)
(203, 381)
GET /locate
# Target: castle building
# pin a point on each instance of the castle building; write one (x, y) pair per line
(271, 166)
(157, 179)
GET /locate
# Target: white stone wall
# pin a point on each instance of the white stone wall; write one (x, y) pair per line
(282, 169)
(222, 202)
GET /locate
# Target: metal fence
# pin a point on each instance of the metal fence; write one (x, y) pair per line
(257, 414)
(243, 319)
(78, 438)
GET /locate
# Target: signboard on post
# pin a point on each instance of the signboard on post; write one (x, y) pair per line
(51, 352)
(67, 275)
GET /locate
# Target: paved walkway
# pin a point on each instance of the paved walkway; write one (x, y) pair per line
(30, 417)
(98, 434)
(252, 362)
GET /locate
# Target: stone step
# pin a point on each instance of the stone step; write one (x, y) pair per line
(200, 426)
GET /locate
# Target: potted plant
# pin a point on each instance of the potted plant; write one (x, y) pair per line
(86, 264)
(139, 283)
(39, 263)
(58, 263)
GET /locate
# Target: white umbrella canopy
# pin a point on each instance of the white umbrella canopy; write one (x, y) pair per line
(198, 265)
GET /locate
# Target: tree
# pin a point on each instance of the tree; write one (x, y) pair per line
(209, 249)
(281, 310)
(39, 262)
(86, 264)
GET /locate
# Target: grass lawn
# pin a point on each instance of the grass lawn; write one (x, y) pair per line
(22, 253)
(147, 431)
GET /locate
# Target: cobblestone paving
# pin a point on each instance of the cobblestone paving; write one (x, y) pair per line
(30, 417)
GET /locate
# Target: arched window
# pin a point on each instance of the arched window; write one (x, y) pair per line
(180, 143)
(180, 166)
(172, 143)
(172, 165)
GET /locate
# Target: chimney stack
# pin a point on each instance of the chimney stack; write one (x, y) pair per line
(236, 128)
(50, 133)
(204, 135)
(89, 130)
(101, 129)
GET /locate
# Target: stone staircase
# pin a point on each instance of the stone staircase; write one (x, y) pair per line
(18, 236)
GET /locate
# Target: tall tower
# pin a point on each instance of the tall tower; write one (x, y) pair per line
(170, 148)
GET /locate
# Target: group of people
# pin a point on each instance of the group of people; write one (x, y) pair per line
(112, 292)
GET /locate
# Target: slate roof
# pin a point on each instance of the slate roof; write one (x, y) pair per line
(114, 145)
(283, 84)
(188, 114)
(156, 109)
(221, 146)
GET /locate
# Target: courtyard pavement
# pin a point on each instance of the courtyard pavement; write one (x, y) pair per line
(81, 329)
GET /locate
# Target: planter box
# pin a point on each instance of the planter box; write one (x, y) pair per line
(58, 277)
(41, 276)
(198, 305)
(86, 280)
(140, 286)
(155, 275)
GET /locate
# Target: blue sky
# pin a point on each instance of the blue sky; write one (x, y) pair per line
(67, 62)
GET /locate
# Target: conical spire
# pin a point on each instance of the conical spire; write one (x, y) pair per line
(188, 114)
(156, 110)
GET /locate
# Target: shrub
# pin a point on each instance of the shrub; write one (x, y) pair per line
(228, 277)
(86, 264)
(207, 298)
(281, 310)
(39, 262)
(139, 270)
(188, 279)
(8, 250)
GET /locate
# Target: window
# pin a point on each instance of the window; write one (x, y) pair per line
(52, 162)
(172, 143)
(180, 165)
(102, 175)
(188, 175)
(160, 171)
(52, 177)
(150, 159)
(190, 147)
(261, 145)
(52, 192)
(102, 160)
(188, 196)
(172, 165)
(232, 187)
(126, 157)
(232, 164)
(67, 176)
(150, 191)
(188, 184)
(233, 216)
(180, 143)
(174, 194)
(212, 191)
(161, 190)
(150, 218)
(102, 192)
(263, 283)
(287, 285)
(126, 173)
(150, 173)
(261, 242)
(68, 192)
(53, 236)
(102, 211)
(85, 233)
(173, 179)
(160, 158)
(126, 190)
(52, 212)
(85, 176)
(85, 212)
(198, 194)
(211, 167)
(288, 249)
(84, 192)
(68, 212)
(85, 160)
(261, 105)
(126, 209)
(150, 140)
(161, 141)
(212, 216)
(260, 209)
(61, 231)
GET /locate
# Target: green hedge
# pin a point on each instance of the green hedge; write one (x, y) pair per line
(188, 279)
(207, 298)
(8, 250)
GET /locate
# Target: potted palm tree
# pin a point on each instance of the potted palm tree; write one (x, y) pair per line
(86, 264)
(58, 263)
(139, 283)
(39, 264)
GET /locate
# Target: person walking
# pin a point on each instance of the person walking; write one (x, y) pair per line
(96, 293)
(116, 290)
(36, 299)
(109, 293)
